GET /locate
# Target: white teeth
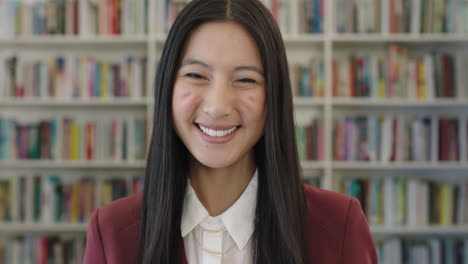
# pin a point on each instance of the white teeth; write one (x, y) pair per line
(216, 133)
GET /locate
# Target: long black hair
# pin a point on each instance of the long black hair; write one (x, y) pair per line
(279, 221)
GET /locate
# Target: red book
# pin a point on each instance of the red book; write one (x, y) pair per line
(352, 77)
(393, 27)
(75, 18)
(335, 78)
(43, 250)
(443, 139)
(394, 139)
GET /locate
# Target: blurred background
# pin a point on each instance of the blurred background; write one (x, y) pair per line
(381, 105)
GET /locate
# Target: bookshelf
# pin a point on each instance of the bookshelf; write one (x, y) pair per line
(325, 43)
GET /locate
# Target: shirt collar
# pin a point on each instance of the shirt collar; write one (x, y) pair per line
(238, 219)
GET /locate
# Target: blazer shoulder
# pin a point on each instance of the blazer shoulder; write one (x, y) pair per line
(122, 212)
(327, 209)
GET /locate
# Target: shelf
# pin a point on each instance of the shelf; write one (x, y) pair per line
(420, 231)
(31, 40)
(288, 38)
(353, 165)
(92, 102)
(399, 38)
(343, 101)
(42, 228)
(308, 101)
(312, 165)
(45, 164)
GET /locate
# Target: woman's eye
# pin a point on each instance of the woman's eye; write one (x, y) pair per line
(194, 75)
(247, 80)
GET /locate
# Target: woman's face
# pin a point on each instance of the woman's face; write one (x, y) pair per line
(218, 101)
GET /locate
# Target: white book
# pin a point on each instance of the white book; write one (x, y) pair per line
(461, 204)
(47, 201)
(386, 140)
(3, 83)
(372, 132)
(430, 81)
(69, 76)
(374, 68)
(435, 249)
(416, 16)
(460, 76)
(344, 78)
(131, 139)
(137, 78)
(412, 192)
(29, 199)
(385, 16)
(423, 205)
(463, 137)
(124, 17)
(402, 141)
(417, 139)
(14, 198)
(412, 80)
(434, 138)
(118, 140)
(389, 201)
(44, 80)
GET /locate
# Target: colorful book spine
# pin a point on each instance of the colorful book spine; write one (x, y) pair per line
(400, 138)
(73, 77)
(60, 199)
(405, 201)
(66, 138)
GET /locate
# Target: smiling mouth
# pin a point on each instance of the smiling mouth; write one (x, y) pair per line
(216, 133)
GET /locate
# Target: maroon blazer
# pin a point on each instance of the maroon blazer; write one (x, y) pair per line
(336, 229)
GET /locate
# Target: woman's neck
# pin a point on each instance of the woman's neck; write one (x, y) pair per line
(219, 188)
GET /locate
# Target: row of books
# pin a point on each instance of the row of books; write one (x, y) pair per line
(74, 138)
(397, 74)
(394, 138)
(72, 76)
(40, 17)
(63, 17)
(310, 141)
(116, 17)
(42, 249)
(404, 201)
(427, 251)
(402, 16)
(310, 16)
(52, 198)
(308, 80)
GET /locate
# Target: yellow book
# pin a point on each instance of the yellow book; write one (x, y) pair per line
(422, 88)
(381, 81)
(446, 204)
(74, 141)
(104, 79)
(75, 203)
(106, 193)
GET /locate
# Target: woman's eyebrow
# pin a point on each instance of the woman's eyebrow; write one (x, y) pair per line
(194, 61)
(238, 68)
(249, 68)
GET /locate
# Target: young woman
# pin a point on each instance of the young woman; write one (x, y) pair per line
(223, 182)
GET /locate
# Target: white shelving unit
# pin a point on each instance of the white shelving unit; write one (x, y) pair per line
(300, 48)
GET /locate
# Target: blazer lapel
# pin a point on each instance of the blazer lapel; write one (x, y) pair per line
(183, 257)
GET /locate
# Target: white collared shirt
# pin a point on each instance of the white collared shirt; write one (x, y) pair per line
(198, 229)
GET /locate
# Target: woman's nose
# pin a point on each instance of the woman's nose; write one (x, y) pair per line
(217, 102)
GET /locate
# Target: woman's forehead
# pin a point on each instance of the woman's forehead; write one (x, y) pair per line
(222, 43)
